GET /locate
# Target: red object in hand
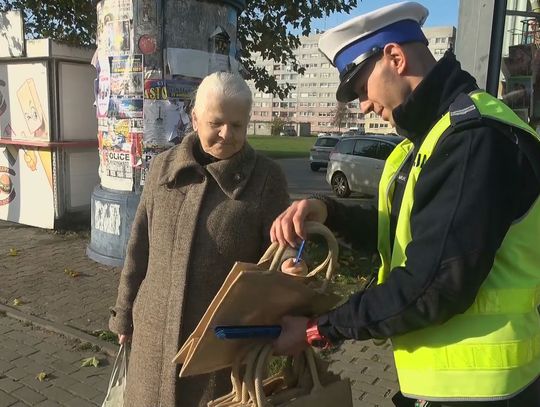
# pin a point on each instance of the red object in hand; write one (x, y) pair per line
(314, 337)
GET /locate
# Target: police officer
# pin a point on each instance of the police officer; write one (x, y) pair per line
(457, 224)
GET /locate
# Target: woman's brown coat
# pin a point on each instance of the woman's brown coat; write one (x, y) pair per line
(191, 225)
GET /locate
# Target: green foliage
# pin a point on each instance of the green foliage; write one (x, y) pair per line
(263, 28)
(277, 126)
(87, 362)
(68, 21)
(282, 147)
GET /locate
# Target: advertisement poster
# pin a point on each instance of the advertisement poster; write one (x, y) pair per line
(24, 106)
(125, 108)
(26, 186)
(165, 110)
(104, 87)
(126, 76)
(114, 29)
(120, 150)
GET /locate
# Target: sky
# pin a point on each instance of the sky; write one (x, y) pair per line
(441, 12)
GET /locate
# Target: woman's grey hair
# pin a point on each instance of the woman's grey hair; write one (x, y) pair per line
(225, 85)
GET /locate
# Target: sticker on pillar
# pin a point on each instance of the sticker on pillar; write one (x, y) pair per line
(219, 44)
(104, 86)
(123, 108)
(126, 75)
(114, 29)
(107, 217)
(147, 44)
(115, 168)
(192, 63)
(147, 12)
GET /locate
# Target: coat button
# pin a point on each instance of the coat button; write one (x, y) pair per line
(237, 177)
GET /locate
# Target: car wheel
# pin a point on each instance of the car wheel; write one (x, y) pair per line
(314, 167)
(340, 186)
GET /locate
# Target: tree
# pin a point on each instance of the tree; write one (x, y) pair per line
(264, 27)
(277, 126)
(339, 114)
(69, 21)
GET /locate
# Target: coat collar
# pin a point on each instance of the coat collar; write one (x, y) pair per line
(232, 174)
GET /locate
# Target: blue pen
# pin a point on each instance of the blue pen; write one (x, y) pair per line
(300, 250)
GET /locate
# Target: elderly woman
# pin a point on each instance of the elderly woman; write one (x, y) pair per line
(207, 203)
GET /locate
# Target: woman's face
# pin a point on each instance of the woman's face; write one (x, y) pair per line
(221, 126)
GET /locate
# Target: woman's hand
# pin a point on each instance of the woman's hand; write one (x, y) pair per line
(288, 228)
(295, 269)
(124, 339)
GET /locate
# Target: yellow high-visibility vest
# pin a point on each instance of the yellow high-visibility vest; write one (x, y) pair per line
(492, 351)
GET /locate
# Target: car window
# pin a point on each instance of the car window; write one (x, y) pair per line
(345, 146)
(384, 150)
(326, 142)
(366, 148)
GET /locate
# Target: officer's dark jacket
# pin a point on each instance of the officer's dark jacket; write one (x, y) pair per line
(495, 171)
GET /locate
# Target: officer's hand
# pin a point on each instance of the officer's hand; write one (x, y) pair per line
(292, 339)
(288, 228)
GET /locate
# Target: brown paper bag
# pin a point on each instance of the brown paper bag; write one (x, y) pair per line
(309, 391)
(255, 294)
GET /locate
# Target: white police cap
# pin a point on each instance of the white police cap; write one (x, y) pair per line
(350, 44)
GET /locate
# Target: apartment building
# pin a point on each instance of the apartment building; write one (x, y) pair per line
(314, 101)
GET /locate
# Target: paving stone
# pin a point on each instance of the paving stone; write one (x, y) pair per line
(84, 390)
(6, 400)
(8, 385)
(28, 395)
(16, 373)
(49, 403)
(78, 402)
(57, 394)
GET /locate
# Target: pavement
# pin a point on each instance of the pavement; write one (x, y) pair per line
(52, 298)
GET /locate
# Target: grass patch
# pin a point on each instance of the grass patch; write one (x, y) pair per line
(282, 147)
(354, 271)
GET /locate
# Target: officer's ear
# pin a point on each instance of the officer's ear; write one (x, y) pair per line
(396, 56)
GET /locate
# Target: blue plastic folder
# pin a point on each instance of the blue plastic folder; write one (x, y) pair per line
(247, 331)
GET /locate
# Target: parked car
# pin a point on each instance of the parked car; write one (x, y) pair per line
(288, 131)
(319, 153)
(356, 163)
(323, 134)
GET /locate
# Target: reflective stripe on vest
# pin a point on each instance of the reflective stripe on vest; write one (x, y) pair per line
(491, 351)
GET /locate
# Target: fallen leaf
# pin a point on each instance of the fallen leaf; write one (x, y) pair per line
(93, 361)
(41, 376)
(72, 273)
(13, 252)
(17, 302)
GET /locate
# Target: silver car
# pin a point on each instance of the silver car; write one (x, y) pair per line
(319, 153)
(356, 163)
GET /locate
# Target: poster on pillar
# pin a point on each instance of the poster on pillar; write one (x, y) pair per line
(26, 186)
(24, 102)
(114, 28)
(119, 151)
(126, 76)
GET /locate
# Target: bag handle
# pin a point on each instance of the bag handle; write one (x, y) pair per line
(275, 253)
(260, 370)
(119, 368)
